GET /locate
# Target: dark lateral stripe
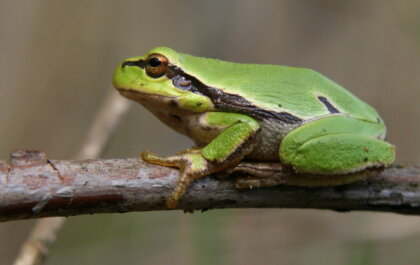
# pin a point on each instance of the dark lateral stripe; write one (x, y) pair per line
(225, 101)
(327, 104)
(139, 63)
(288, 118)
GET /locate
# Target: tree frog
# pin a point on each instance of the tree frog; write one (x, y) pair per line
(295, 117)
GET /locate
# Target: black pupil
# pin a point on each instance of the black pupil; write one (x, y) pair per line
(153, 62)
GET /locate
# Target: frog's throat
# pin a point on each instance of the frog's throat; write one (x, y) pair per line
(165, 108)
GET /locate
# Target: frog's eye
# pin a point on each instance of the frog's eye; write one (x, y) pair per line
(156, 65)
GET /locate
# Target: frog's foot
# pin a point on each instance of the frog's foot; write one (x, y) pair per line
(269, 178)
(295, 180)
(259, 169)
(274, 174)
(261, 174)
(192, 166)
(256, 169)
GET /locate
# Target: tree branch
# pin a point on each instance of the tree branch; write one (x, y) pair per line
(32, 186)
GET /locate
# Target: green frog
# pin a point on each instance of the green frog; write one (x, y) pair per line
(293, 117)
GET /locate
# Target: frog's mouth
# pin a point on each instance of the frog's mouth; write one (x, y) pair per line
(144, 98)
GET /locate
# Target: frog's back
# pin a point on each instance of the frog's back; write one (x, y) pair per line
(304, 93)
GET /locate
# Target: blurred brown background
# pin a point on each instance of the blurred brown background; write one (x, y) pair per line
(56, 62)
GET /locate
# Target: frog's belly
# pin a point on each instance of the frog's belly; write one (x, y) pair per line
(268, 143)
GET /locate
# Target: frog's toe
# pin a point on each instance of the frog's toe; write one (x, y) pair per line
(194, 167)
(168, 161)
(192, 150)
(181, 186)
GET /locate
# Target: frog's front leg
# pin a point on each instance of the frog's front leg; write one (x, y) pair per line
(237, 139)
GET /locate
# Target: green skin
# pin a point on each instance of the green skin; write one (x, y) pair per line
(315, 128)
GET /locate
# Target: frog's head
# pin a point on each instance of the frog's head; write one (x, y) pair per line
(157, 78)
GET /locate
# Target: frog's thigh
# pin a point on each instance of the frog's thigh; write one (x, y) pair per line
(339, 153)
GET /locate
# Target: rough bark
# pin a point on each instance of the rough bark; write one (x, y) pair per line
(32, 186)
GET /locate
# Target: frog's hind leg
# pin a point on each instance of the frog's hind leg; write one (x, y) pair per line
(330, 151)
(340, 154)
(339, 146)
